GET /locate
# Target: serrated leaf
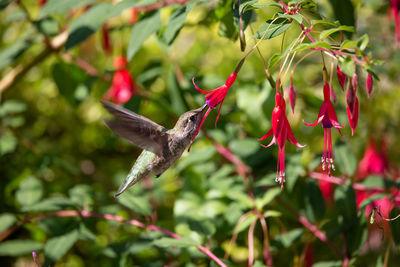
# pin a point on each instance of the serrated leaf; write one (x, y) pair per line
(141, 31)
(275, 28)
(326, 33)
(87, 24)
(57, 247)
(183, 242)
(30, 191)
(19, 247)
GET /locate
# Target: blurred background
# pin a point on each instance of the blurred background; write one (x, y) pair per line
(56, 153)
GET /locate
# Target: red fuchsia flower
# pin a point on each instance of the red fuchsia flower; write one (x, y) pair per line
(327, 118)
(106, 41)
(352, 108)
(395, 8)
(123, 85)
(373, 161)
(213, 98)
(326, 190)
(341, 76)
(370, 83)
(292, 97)
(281, 132)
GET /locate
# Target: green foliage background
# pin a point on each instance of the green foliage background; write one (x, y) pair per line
(57, 154)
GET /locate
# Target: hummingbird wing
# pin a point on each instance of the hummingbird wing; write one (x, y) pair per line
(137, 129)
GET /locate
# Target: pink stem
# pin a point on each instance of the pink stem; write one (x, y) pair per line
(241, 168)
(251, 243)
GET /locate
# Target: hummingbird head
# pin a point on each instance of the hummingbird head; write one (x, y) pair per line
(189, 121)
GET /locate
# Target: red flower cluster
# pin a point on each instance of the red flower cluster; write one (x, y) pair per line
(123, 85)
(327, 118)
(281, 132)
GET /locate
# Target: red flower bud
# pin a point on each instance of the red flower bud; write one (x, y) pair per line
(353, 115)
(370, 83)
(106, 39)
(292, 97)
(350, 98)
(341, 76)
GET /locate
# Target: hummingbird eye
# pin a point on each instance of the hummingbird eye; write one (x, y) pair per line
(192, 118)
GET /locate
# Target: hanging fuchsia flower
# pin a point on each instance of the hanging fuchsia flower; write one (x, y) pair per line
(370, 83)
(352, 108)
(281, 132)
(213, 98)
(123, 85)
(341, 76)
(373, 161)
(292, 97)
(395, 8)
(327, 118)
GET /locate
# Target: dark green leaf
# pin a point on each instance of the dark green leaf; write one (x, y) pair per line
(87, 24)
(287, 239)
(275, 28)
(16, 49)
(315, 205)
(142, 30)
(6, 220)
(344, 12)
(395, 225)
(30, 191)
(183, 242)
(346, 203)
(4, 3)
(175, 23)
(345, 159)
(19, 247)
(227, 27)
(57, 247)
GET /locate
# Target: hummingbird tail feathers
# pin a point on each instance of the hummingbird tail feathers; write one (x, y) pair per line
(132, 178)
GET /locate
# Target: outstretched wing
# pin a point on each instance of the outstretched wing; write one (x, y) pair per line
(137, 129)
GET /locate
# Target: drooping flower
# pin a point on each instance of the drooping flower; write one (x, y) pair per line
(373, 161)
(369, 83)
(395, 8)
(281, 132)
(352, 108)
(292, 97)
(123, 85)
(213, 98)
(341, 76)
(106, 42)
(327, 118)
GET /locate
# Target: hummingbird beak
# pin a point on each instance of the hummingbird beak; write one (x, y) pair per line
(203, 107)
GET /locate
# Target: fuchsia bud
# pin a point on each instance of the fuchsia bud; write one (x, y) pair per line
(341, 76)
(292, 97)
(106, 42)
(352, 108)
(370, 83)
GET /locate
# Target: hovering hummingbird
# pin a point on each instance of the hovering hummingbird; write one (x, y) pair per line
(161, 147)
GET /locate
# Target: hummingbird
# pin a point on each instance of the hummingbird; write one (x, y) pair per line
(162, 147)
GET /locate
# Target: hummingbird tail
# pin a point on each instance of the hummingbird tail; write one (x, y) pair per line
(132, 178)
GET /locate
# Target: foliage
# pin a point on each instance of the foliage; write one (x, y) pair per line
(219, 204)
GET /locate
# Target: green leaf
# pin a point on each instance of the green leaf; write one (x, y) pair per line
(178, 103)
(244, 147)
(326, 33)
(138, 204)
(6, 220)
(344, 12)
(362, 43)
(395, 225)
(275, 28)
(4, 3)
(30, 191)
(346, 203)
(48, 26)
(71, 80)
(15, 248)
(50, 204)
(61, 6)
(287, 239)
(326, 22)
(87, 24)
(347, 66)
(57, 247)
(9, 54)
(348, 43)
(175, 23)
(267, 197)
(183, 242)
(8, 143)
(196, 156)
(227, 27)
(12, 106)
(315, 205)
(328, 264)
(296, 17)
(345, 159)
(142, 30)
(273, 60)
(304, 46)
(246, 4)
(82, 194)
